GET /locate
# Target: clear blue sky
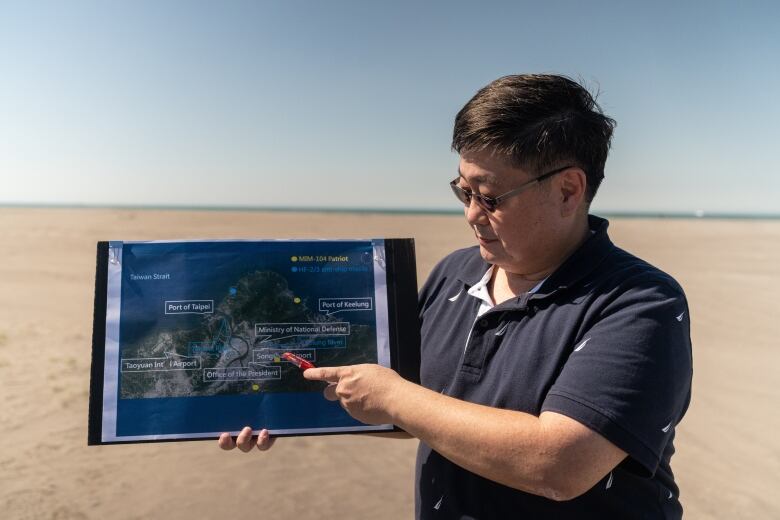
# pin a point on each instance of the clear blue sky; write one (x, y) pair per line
(350, 104)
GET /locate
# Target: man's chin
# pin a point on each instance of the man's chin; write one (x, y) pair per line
(490, 254)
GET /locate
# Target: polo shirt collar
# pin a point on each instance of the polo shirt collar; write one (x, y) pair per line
(582, 262)
(480, 289)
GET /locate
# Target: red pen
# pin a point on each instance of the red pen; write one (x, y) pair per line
(298, 361)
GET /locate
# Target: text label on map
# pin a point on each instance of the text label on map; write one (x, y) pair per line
(274, 331)
(189, 307)
(334, 305)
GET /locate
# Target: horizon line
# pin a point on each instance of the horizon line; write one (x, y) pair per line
(380, 210)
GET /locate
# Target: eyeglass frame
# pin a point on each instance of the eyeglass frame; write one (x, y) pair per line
(490, 204)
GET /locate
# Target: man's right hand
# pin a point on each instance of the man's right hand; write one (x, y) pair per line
(245, 441)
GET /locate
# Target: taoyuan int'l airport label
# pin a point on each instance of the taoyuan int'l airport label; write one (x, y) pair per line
(169, 362)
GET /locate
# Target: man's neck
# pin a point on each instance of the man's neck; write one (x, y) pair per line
(504, 285)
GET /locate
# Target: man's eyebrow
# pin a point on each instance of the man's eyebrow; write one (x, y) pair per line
(481, 179)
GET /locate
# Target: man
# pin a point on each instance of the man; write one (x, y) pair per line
(555, 366)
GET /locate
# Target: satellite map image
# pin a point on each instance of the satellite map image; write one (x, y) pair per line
(211, 318)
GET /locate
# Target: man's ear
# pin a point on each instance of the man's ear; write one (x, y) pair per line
(573, 185)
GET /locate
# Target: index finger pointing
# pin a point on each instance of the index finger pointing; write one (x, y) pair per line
(329, 374)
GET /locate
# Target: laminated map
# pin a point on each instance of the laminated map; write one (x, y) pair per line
(192, 338)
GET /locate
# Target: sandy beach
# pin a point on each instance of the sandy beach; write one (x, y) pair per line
(728, 449)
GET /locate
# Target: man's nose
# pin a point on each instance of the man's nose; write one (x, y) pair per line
(476, 214)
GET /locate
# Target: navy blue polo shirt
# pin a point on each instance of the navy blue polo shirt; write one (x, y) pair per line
(605, 340)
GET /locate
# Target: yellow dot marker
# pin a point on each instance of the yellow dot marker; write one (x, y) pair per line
(293, 258)
(255, 387)
(297, 300)
(277, 360)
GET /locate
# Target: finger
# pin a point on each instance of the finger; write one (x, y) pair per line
(244, 439)
(226, 441)
(330, 392)
(265, 441)
(329, 374)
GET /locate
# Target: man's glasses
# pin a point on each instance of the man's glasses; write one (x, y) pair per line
(489, 203)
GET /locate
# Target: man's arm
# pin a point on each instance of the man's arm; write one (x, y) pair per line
(551, 455)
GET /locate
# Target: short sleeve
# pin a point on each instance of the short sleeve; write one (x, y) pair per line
(628, 376)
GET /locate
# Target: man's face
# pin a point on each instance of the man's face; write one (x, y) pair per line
(520, 234)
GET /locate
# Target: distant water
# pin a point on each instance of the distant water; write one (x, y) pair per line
(397, 211)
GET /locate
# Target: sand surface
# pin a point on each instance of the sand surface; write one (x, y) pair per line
(728, 447)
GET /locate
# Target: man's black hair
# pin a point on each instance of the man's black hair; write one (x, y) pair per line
(538, 122)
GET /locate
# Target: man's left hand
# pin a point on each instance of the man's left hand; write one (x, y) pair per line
(365, 391)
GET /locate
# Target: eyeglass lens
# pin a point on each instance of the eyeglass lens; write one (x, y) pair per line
(466, 196)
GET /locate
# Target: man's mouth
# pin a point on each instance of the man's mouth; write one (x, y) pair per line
(482, 239)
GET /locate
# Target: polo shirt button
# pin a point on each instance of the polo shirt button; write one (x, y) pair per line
(483, 323)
